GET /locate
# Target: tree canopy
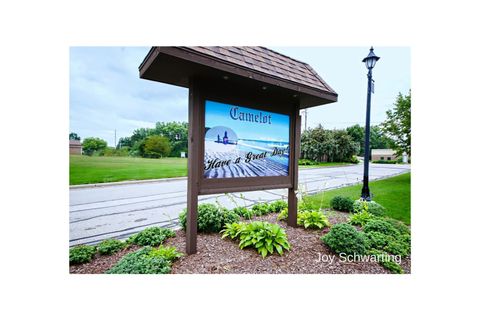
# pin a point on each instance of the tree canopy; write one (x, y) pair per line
(398, 124)
(74, 136)
(324, 145)
(91, 145)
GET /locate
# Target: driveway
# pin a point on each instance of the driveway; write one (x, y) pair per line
(118, 211)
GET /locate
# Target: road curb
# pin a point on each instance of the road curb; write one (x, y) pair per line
(121, 183)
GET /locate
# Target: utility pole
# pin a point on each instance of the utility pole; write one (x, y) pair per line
(115, 139)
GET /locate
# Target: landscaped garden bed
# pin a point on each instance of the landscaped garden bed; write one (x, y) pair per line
(257, 240)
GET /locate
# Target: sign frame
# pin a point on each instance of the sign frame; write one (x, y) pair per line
(199, 93)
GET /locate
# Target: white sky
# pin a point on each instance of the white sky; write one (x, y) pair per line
(106, 93)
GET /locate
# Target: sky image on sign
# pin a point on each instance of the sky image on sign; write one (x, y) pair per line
(244, 142)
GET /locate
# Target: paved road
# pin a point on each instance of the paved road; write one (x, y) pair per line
(118, 211)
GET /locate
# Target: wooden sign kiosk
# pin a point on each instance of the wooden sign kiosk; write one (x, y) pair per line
(256, 78)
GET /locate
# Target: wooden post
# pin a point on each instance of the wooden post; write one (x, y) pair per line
(292, 197)
(193, 169)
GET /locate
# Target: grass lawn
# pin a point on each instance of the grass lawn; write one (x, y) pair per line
(326, 164)
(85, 169)
(392, 193)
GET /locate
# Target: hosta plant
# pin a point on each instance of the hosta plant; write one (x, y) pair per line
(313, 219)
(167, 252)
(82, 254)
(232, 230)
(278, 206)
(266, 238)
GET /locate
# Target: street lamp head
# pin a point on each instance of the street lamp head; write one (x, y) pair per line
(371, 59)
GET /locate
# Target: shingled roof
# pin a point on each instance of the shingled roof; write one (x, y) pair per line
(270, 62)
(246, 67)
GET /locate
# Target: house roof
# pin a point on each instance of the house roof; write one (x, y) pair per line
(75, 143)
(383, 152)
(176, 65)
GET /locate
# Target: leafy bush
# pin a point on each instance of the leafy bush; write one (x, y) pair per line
(399, 248)
(341, 203)
(152, 236)
(344, 238)
(260, 209)
(263, 236)
(110, 246)
(243, 212)
(313, 219)
(283, 215)
(232, 230)
(361, 218)
(306, 162)
(210, 218)
(228, 216)
(141, 262)
(383, 237)
(169, 253)
(378, 240)
(383, 260)
(82, 254)
(371, 206)
(278, 206)
(399, 225)
(381, 226)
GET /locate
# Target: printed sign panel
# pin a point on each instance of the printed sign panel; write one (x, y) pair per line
(245, 142)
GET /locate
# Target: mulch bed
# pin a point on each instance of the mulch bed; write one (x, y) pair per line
(217, 255)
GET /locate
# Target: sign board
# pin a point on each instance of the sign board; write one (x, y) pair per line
(243, 142)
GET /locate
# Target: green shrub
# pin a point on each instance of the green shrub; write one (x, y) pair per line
(283, 215)
(400, 226)
(110, 246)
(361, 218)
(278, 206)
(399, 248)
(243, 212)
(313, 219)
(210, 218)
(341, 203)
(82, 254)
(381, 226)
(228, 216)
(378, 240)
(266, 237)
(260, 209)
(232, 230)
(152, 236)
(371, 206)
(306, 162)
(141, 262)
(344, 238)
(169, 253)
(306, 204)
(384, 260)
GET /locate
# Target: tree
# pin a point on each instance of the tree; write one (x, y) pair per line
(91, 145)
(176, 133)
(156, 147)
(358, 135)
(74, 136)
(398, 124)
(320, 145)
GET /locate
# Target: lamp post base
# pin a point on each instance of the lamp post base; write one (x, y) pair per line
(365, 190)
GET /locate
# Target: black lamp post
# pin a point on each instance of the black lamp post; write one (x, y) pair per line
(370, 61)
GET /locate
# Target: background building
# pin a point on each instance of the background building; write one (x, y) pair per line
(75, 147)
